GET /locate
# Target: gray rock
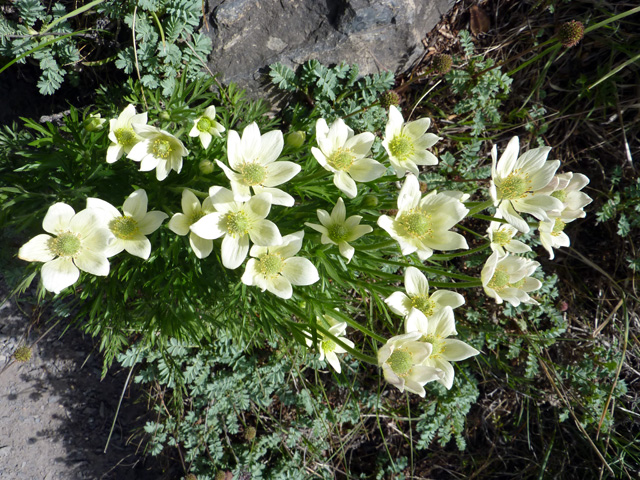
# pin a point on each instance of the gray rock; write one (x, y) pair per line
(378, 35)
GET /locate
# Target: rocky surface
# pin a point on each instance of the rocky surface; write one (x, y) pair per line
(249, 35)
(56, 413)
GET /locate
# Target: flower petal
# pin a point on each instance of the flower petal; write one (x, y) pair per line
(58, 218)
(200, 246)
(265, 234)
(300, 271)
(92, 262)
(151, 222)
(415, 283)
(135, 205)
(58, 274)
(399, 303)
(280, 286)
(366, 170)
(37, 249)
(210, 227)
(455, 350)
(234, 250)
(281, 172)
(345, 183)
(271, 148)
(139, 246)
(179, 224)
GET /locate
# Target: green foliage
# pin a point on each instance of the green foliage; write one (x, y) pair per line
(623, 205)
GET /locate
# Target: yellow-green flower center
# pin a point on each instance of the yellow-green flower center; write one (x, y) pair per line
(341, 159)
(518, 284)
(437, 345)
(237, 223)
(125, 136)
(161, 148)
(400, 362)
(270, 264)
(416, 224)
(424, 304)
(501, 237)
(401, 147)
(195, 216)
(512, 187)
(66, 244)
(558, 227)
(560, 195)
(328, 346)
(204, 124)
(252, 173)
(124, 227)
(338, 233)
(499, 280)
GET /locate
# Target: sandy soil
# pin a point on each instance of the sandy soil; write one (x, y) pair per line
(56, 413)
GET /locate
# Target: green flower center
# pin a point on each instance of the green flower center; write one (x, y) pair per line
(195, 216)
(424, 304)
(328, 346)
(560, 195)
(161, 148)
(499, 280)
(66, 244)
(341, 159)
(501, 237)
(338, 233)
(124, 227)
(270, 265)
(512, 187)
(416, 224)
(437, 345)
(237, 223)
(253, 173)
(401, 147)
(125, 136)
(400, 362)
(518, 284)
(558, 227)
(204, 124)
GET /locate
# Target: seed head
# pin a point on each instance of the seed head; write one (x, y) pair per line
(570, 33)
(441, 63)
(250, 433)
(388, 98)
(22, 354)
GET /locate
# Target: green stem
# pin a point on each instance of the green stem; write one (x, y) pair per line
(460, 254)
(478, 207)
(376, 246)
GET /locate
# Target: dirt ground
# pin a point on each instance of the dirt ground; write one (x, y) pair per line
(56, 413)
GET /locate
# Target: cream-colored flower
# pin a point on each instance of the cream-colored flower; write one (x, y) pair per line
(417, 301)
(326, 346)
(501, 238)
(206, 126)
(338, 230)
(129, 230)
(566, 188)
(552, 234)
(79, 242)
(516, 182)
(402, 358)
(509, 278)
(435, 331)
(253, 165)
(345, 155)
(237, 222)
(121, 133)
(157, 150)
(193, 211)
(422, 224)
(407, 143)
(276, 269)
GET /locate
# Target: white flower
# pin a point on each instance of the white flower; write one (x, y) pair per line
(516, 181)
(508, 278)
(338, 230)
(327, 347)
(552, 234)
(344, 154)
(79, 242)
(158, 149)
(501, 238)
(422, 224)
(418, 302)
(237, 222)
(407, 143)
(192, 212)
(206, 126)
(275, 268)
(121, 133)
(435, 331)
(129, 230)
(401, 359)
(253, 165)
(566, 188)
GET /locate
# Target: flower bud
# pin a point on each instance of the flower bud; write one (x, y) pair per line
(164, 116)
(441, 63)
(370, 201)
(296, 139)
(22, 354)
(93, 123)
(250, 434)
(570, 33)
(388, 98)
(206, 167)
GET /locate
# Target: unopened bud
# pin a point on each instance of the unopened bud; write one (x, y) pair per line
(570, 33)
(370, 201)
(206, 167)
(296, 139)
(93, 123)
(22, 354)
(442, 63)
(164, 116)
(388, 98)
(250, 433)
